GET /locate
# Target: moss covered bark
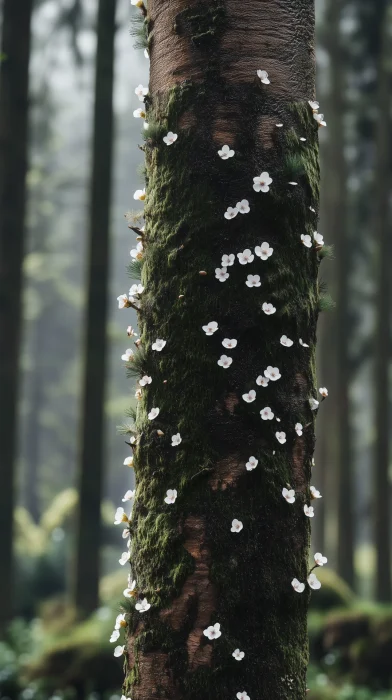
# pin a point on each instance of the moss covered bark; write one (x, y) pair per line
(186, 561)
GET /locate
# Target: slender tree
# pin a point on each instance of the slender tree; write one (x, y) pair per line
(14, 68)
(86, 577)
(224, 424)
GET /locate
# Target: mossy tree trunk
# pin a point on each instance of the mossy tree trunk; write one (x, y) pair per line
(86, 575)
(14, 73)
(186, 561)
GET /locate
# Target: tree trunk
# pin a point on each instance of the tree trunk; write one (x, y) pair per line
(383, 333)
(186, 559)
(14, 69)
(86, 579)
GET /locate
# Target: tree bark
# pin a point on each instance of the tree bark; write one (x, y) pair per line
(86, 579)
(14, 70)
(186, 561)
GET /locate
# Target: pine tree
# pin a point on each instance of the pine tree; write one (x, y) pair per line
(228, 310)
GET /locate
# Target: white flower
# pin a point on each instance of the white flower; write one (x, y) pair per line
(176, 439)
(306, 240)
(114, 636)
(263, 75)
(251, 464)
(228, 260)
(170, 138)
(226, 152)
(286, 341)
(281, 437)
(318, 238)
(250, 396)
(314, 105)
(245, 257)
(129, 592)
(293, 184)
(153, 413)
(313, 403)
(314, 582)
(125, 557)
(319, 559)
(309, 511)
(225, 361)
(143, 605)
(120, 621)
(145, 380)
(324, 392)
(221, 274)
(243, 696)
(120, 516)
(236, 525)
(229, 344)
(140, 195)
(137, 253)
(243, 206)
(231, 212)
(298, 587)
(138, 394)
(298, 428)
(268, 308)
(141, 92)
(210, 328)
(253, 281)
(139, 113)
(171, 495)
(128, 495)
(279, 125)
(264, 251)
(213, 632)
(289, 495)
(122, 301)
(262, 182)
(312, 209)
(266, 413)
(131, 332)
(272, 373)
(304, 345)
(238, 655)
(118, 651)
(128, 461)
(320, 119)
(302, 138)
(262, 381)
(314, 492)
(136, 289)
(158, 345)
(146, 55)
(128, 355)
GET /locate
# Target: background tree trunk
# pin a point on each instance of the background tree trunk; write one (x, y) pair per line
(14, 71)
(186, 561)
(93, 402)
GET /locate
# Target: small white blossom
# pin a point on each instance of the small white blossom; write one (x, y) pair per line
(309, 511)
(171, 495)
(298, 428)
(281, 437)
(225, 361)
(243, 206)
(268, 308)
(226, 152)
(118, 651)
(139, 113)
(262, 182)
(314, 582)
(170, 138)
(250, 396)
(324, 392)
(221, 274)
(128, 495)
(279, 125)
(138, 394)
(236, 525)
(129, 592)
(114, 636)
(137, 3)
(318, 238)
(122, 301)
(238, 655)
(229, 344)
(312, 209)
(153, 413)
(262, 381)
(315, 493)
(264, 251)
(251, 464)
(137, 253)
(131, 332)
(320, 119)
(302, 138)
(304, 345)
(120, 516)
(298, 587)
(293, 184)
(286, 341)
(128, 355)
(263, 75)
(158, 345)
(253, 281)
(314, 105)
(125, 557)
(306, 240)
(213, 632)
(140, 195)
(176, 439)
(210, 328)
(142, 606)
(245, 257)
(228, 260)
(145, 380)
(136, 290)
(120, 621)
(272, 373)
(289, 495)
(141, 92)
(243, 696)
(146, 55)
(313, 403)
(231, 212)
(266, 413)
(128, 461)
(319, 559)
